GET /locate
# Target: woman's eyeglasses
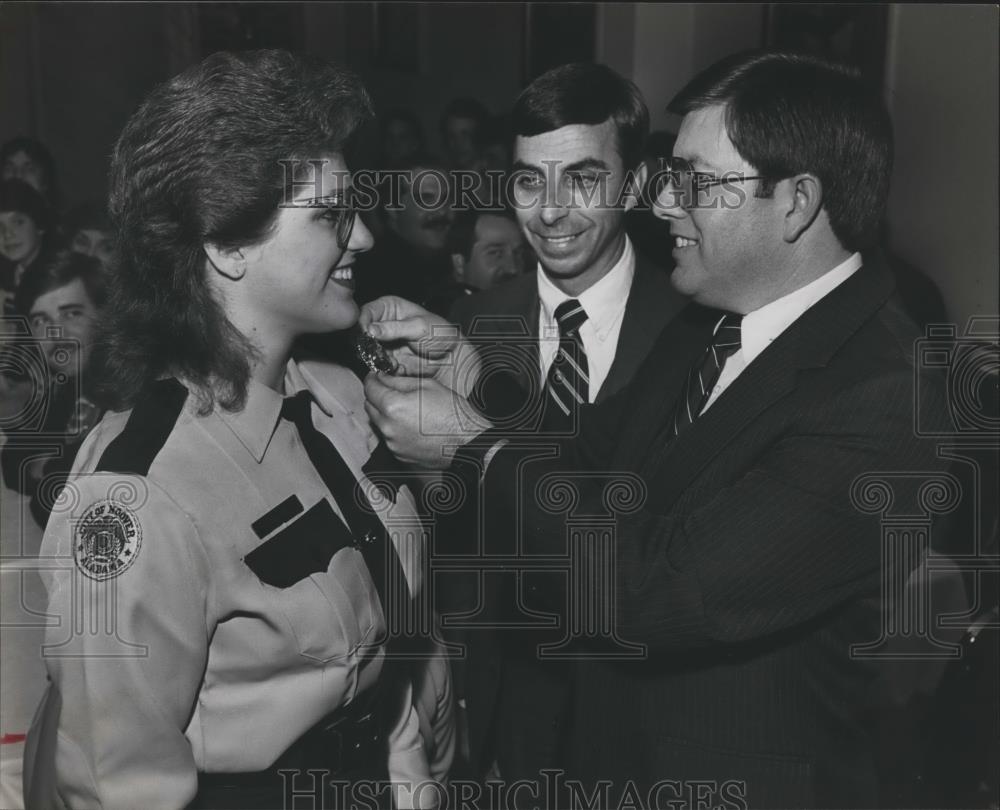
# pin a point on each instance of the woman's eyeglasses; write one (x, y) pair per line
(341, 211)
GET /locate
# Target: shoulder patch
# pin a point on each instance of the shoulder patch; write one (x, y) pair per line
(106, 540)
(152, 419)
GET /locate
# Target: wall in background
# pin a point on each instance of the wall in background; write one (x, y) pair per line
(942, 86)
(71, 74)
(660, 46)
(85, 70)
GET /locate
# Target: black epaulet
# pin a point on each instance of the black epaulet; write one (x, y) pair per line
(152, 419)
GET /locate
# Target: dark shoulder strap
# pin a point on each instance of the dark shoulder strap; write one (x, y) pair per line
(152, 419)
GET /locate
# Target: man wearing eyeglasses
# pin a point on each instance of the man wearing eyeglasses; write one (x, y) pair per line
(750, 565)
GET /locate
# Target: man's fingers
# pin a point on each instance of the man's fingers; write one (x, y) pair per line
(387, 308)
(410, 330)
(399, 384)
(381, 388)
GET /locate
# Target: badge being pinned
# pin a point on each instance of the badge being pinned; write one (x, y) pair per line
(107, 540)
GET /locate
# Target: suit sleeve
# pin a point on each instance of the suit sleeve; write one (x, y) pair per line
(128, 644)
(777, 546)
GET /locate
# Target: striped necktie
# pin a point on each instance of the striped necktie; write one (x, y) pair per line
(568, 380)
(704, 375)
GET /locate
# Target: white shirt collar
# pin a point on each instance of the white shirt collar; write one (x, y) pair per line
(603, 301)
(762, 326)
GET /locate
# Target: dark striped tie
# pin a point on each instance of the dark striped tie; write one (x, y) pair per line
(704, 375)
(568, 381)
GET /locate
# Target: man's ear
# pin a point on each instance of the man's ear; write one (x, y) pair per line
(458, 267)
(229, 262)
(635, 183)
(804, 201)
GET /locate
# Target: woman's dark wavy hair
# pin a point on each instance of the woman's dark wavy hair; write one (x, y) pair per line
(584, 93)
(788, 114)
(201, 162)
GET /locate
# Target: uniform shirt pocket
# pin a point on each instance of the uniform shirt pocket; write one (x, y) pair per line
(318, 581)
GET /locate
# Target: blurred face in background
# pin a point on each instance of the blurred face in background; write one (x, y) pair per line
(93, 242)
(20, 237)
(70, 310)
(498, 253)
(19, 166)
(424, 216)
(460, 136)
(401, 141)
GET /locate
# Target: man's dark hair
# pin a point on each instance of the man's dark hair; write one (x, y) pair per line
(57, 270)
(204, 160)
(16, 195)
(789, 114)
(462, 235)
(584, 93)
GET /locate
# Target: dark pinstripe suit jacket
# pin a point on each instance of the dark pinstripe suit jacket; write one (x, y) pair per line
(512, 310)
(748, 572)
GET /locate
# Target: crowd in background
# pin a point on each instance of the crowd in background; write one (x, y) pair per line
(435, 243)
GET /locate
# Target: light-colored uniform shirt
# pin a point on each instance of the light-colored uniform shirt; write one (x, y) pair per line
(761, 327)
(604, 302)
(171, 655)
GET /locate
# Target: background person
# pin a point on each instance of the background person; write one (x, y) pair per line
(27, 230)
(88, 231)
(411, 257)
(486, 249)
(464, 122)
(29, 160)
(62, 300)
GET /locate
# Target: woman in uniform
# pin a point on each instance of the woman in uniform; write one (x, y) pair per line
(223, 567)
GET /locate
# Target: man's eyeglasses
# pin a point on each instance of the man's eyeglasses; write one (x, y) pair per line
(691, 188)
(342, 214)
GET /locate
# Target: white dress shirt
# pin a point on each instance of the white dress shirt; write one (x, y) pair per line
(604, 302)
(762, 326)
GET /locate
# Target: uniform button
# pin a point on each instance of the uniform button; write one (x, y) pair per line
(558, 377)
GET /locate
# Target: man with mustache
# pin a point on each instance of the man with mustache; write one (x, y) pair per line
(573, 331)
(411, 258)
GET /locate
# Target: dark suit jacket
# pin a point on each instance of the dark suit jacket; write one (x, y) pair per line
(535, 697)
(745, 565)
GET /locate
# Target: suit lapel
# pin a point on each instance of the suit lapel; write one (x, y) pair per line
(808, 343)
(646, 314)
(651, 305)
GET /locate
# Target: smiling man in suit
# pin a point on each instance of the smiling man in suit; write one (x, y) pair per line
(752, 567)
(578, 163)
